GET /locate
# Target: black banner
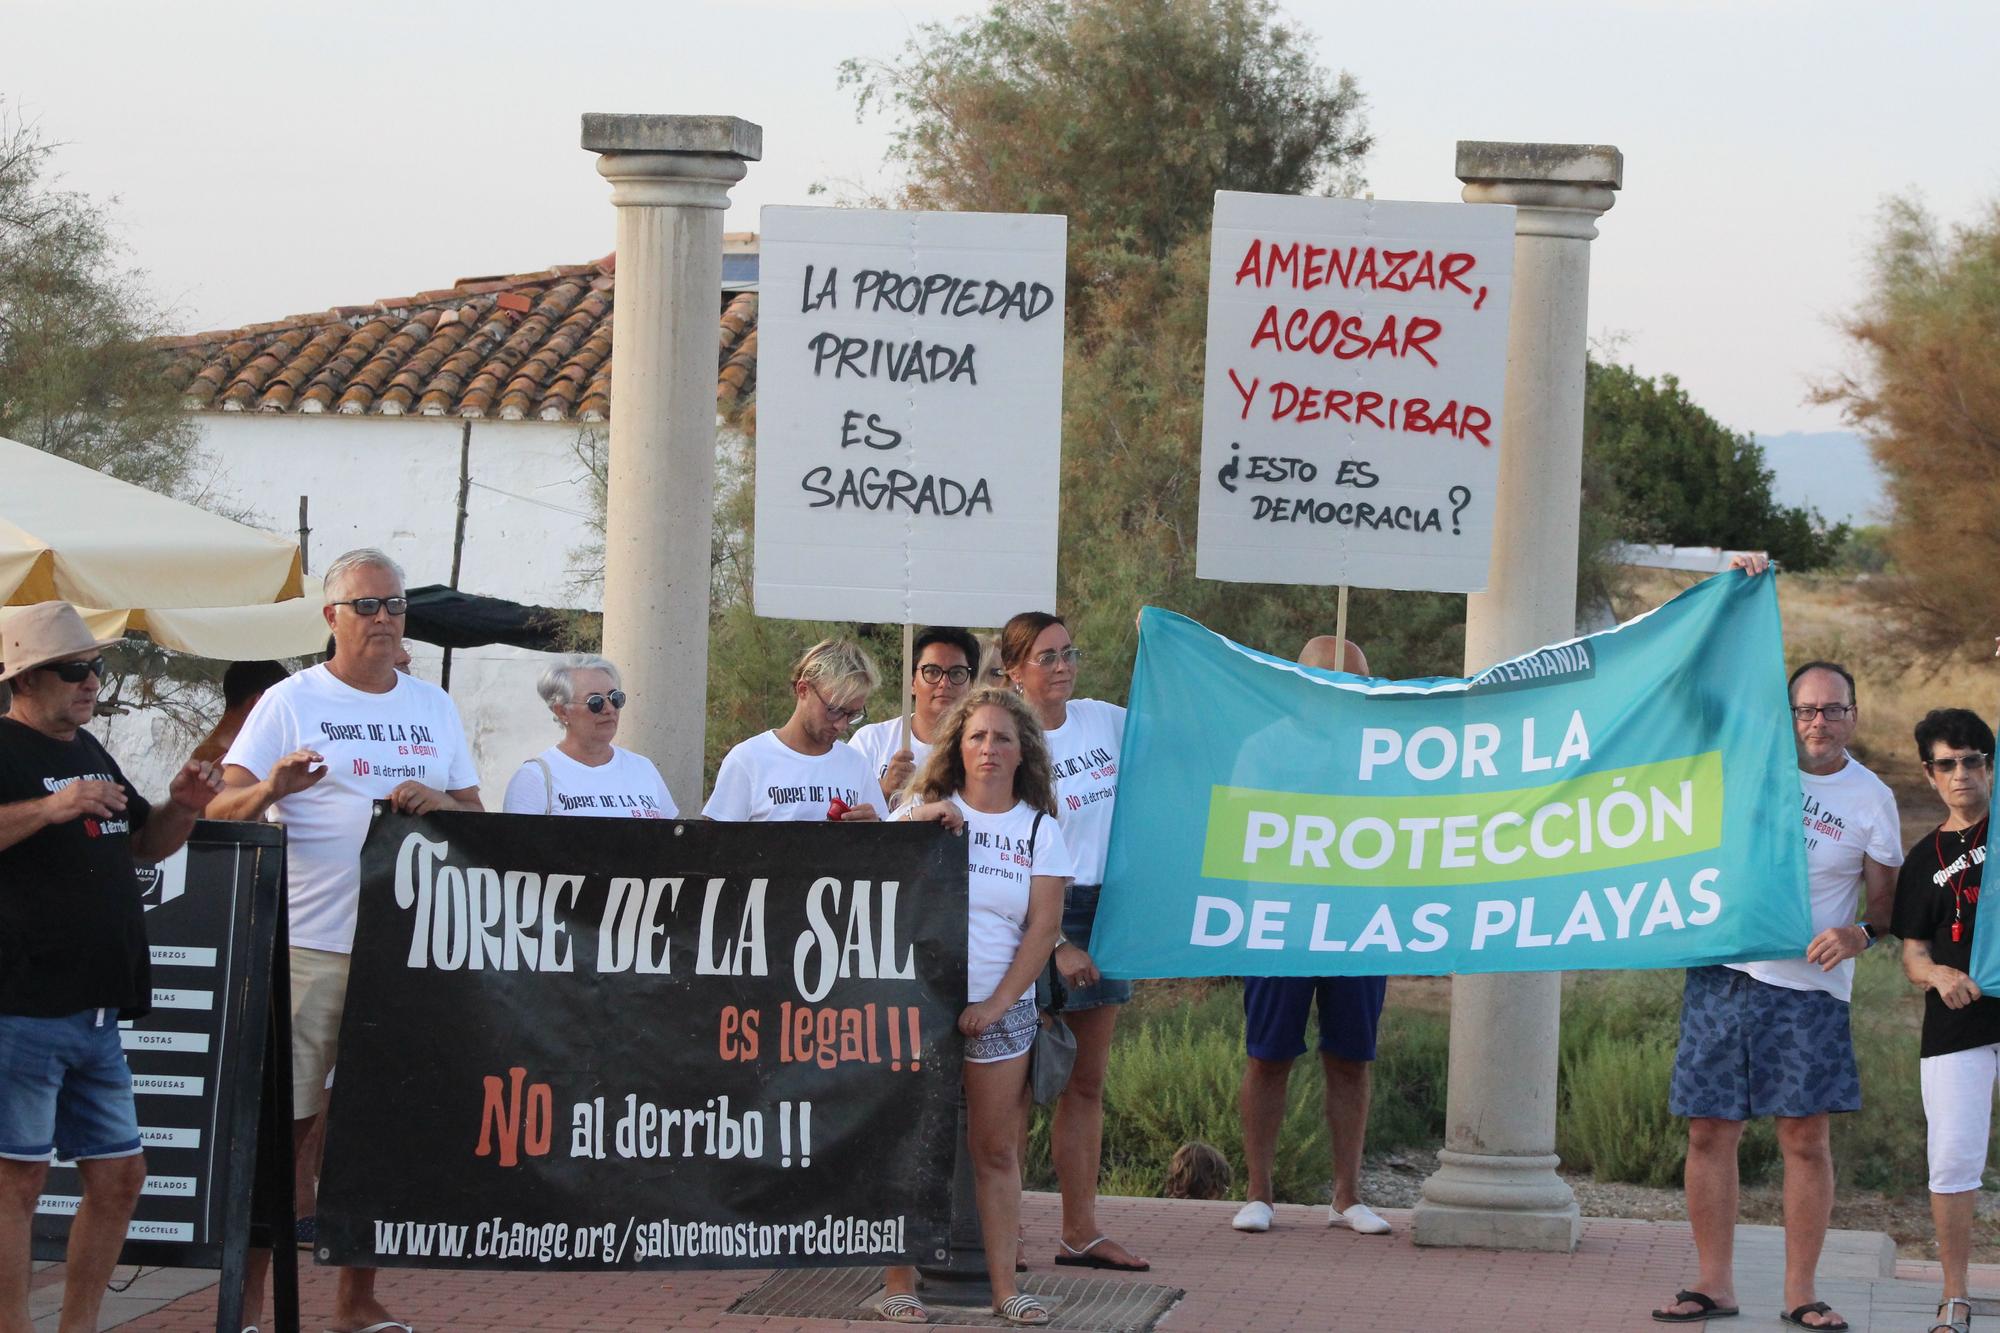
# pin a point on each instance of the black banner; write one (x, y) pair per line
(610, 1044)
(198, 1059)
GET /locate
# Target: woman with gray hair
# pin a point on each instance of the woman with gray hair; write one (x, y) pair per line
(584, 773)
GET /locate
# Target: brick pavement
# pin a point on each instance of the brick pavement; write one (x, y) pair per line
(1300, 1275)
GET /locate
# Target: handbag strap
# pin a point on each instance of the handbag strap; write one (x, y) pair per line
(1050, 993)
(549, 785)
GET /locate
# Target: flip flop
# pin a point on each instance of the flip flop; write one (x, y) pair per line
(1709, 1309)
(902, 1308)
(1022, 1309)
(1074, 1257)
(1796, 1317)
(381, 1326)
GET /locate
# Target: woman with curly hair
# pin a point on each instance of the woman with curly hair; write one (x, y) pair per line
(988, 778)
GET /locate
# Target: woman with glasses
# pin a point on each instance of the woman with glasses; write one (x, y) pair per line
(803, 770)
(1084, 736)
(988, 777)
(584, 773)
(945, 657)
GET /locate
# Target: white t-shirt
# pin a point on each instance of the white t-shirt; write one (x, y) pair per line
(1847, 814)
(1083, 752)
(765, 779)
(372, 744)
(877, 743)
(628, 786)
(998, 870)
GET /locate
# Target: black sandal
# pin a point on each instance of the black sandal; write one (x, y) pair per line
(1949, 1325)
(1709, 1309)
(1797, 1318)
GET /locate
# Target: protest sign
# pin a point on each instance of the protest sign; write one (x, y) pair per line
(909, 414)
(647, 1045)
(1630, 799)
(1357, 359)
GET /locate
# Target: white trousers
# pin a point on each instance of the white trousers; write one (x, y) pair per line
(1958, 1106)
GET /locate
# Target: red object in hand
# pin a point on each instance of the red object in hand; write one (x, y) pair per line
(837, 809)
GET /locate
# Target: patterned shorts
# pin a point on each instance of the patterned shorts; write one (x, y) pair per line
(1749, 1049)
(1010, 1036)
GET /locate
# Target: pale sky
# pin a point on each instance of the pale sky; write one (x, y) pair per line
(274, 159)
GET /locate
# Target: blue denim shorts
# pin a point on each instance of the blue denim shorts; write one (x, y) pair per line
(1079, 914)
(1275, 1010)
(1750, 1049)
(64, 1088)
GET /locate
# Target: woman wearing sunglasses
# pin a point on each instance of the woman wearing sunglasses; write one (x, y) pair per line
(584, 773)
(1084, 736)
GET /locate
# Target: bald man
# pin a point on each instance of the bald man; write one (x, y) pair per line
(1275, 1010)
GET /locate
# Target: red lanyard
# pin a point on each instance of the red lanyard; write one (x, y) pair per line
(1961, 893)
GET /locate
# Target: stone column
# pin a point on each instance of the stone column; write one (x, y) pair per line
(1496, 1183)
(670, 179)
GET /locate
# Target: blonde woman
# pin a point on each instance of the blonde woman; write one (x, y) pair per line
(988, 777)
(803, 770)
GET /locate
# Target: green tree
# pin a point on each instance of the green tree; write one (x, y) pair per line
(78, 376)
(1927, 395)
(1126, 115)
(1662, 470)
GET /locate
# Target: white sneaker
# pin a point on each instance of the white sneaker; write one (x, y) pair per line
(1253, 1216)
(1364, 1220)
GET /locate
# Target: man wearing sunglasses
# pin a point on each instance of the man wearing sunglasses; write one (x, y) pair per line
(318, 750)
(1937, 897)
(73, 956)
(803, 770)
(1771, 1038)
(946, 658)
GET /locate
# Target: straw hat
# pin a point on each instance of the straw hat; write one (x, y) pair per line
(33, 636)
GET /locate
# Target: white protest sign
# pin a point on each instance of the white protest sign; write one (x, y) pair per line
(909, 414)
(1357, 359)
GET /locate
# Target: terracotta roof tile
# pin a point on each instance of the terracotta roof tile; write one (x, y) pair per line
(527, 346)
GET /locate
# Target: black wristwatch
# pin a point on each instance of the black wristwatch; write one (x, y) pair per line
(1869, 931)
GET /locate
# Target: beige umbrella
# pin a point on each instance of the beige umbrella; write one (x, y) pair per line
(130, 559)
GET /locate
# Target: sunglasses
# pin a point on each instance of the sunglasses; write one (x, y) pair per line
(595, 702)
(933, 673)
(1071, 654)
(1973, 763)
(368, 606)
(73, 673)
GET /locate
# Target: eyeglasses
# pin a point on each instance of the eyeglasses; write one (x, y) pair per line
(73, 673)
(840, 717)
(368, 606)
(1972, 763)
(1831, 712)
(1071, 654)
(933, 673)
(595, 702)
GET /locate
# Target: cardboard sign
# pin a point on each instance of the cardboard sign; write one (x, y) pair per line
(660, 1045)
(1357, 359)
(909, 415)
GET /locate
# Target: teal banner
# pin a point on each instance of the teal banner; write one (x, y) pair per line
(1985, 968)
(1629, 799)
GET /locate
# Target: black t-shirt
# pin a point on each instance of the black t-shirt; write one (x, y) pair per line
(72, 927)
(1926, 906)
